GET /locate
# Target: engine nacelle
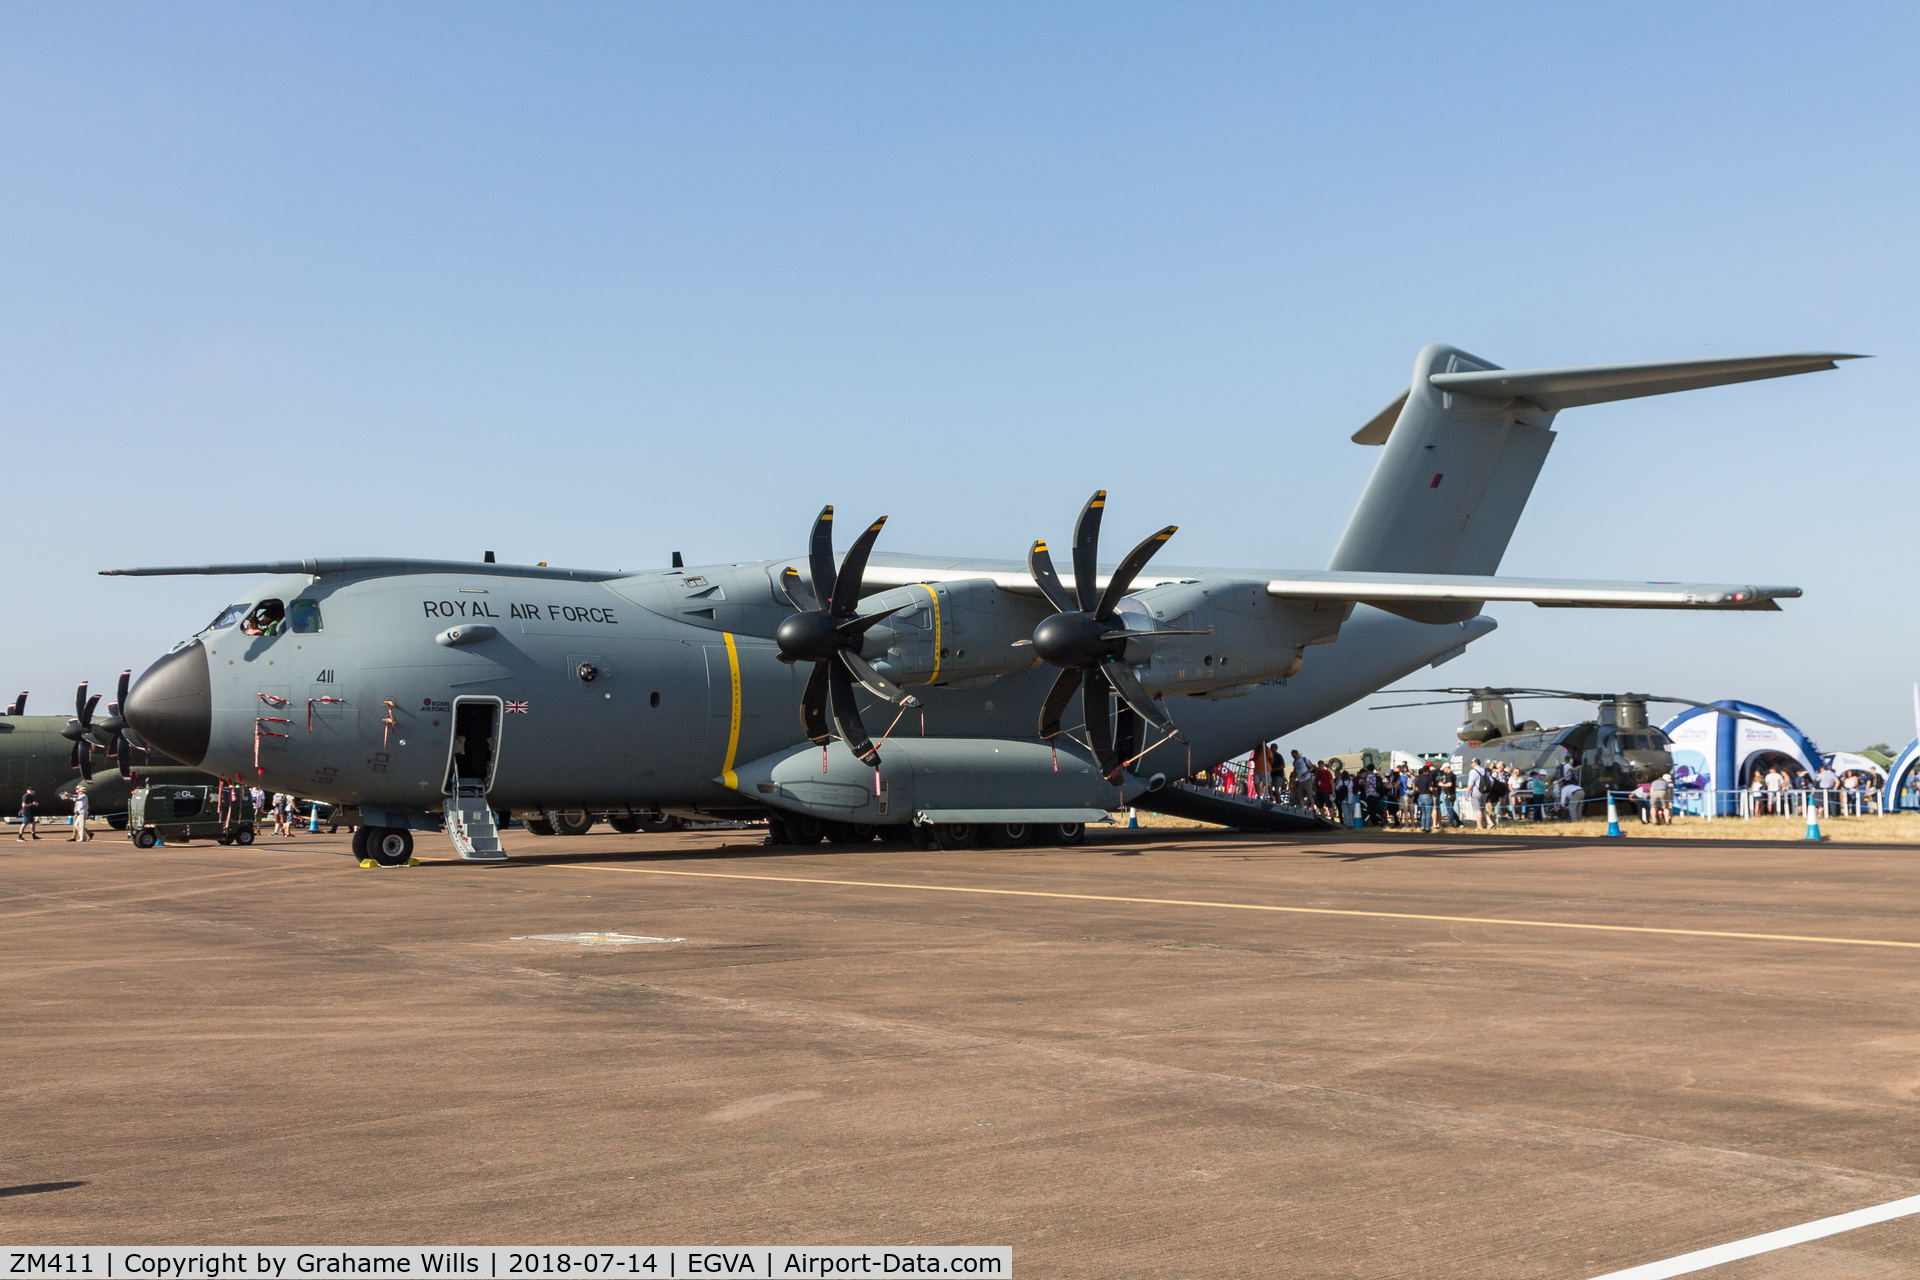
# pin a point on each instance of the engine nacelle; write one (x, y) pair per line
(1251, 637)
(951, 633)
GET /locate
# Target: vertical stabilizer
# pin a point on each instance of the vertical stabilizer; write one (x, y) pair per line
(1455, 472)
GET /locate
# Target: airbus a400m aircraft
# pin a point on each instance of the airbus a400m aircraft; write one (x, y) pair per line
(1008, 697)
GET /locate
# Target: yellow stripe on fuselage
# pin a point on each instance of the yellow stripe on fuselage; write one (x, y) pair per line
(733, 720)
(934, 596)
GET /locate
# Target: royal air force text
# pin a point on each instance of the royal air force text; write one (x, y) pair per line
(545, 613)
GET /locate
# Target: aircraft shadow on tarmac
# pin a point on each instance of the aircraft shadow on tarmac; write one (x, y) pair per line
(36, 1188)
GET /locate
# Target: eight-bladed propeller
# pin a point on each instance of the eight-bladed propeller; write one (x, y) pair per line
(1088, 641)
(829, 636)
(117, 737)
(77, 731)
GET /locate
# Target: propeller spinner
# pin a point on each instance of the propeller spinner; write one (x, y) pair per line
(1088, 641)
(828, 635)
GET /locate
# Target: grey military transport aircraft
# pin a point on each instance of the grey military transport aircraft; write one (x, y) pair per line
(1012, 701)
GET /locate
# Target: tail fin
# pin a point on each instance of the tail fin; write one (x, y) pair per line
(1465, 442)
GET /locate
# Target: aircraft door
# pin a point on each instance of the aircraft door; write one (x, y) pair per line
(473, 748)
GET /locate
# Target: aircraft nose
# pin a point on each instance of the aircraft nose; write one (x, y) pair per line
(171, 706)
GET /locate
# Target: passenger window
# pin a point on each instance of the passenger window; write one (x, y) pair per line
(230, 615)
(267, 619)
(304, 617)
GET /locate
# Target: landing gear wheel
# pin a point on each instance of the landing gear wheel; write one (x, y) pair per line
(118, 821)
(243, 836)
(223, 839)
(849, 832)
(1010, 835)
(144, 839)
(625, 823)
(1064, 833)
(535, 826)
(659, 824)
(390, 846)
(777, 830)
(921, 834)
(803, 830)
(360, 835)
(571, 822)
(956, 835)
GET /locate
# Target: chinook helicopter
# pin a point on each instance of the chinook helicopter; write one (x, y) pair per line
(1616, 751)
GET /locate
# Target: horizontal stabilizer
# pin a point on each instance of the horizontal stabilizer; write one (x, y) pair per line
(1595, 384)
(1388, 589)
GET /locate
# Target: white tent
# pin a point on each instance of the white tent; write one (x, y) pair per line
(1841, 762)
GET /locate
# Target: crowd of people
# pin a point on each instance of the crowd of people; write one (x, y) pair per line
(1427, 797)
(1430, 795)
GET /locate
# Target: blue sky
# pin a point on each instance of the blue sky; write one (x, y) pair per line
(588, 284)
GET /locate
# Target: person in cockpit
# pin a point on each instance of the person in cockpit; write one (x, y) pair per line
(265, 619)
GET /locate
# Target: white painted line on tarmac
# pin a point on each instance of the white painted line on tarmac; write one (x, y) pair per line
(1235, 906)
(1701, 1259)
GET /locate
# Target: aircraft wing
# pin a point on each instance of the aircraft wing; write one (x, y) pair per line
(1548, 593)
(1369, 588)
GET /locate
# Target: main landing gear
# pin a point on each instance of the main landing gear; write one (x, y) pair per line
(386, 846)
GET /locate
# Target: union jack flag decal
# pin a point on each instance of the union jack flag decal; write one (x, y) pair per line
(521, 707)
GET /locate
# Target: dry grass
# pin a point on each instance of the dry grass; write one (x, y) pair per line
(1893, 829)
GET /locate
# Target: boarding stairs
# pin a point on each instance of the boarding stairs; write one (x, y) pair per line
(1244, 813)
(471, 825)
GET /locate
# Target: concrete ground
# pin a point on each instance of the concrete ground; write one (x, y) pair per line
(1165, 1053)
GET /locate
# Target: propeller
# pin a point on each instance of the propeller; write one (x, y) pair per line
(1086, 639)
(77, 731)
(826, 631)
(19, 707)
(118, 737)
(1567, 693)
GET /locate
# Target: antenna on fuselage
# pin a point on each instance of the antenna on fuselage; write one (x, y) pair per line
(678, 563)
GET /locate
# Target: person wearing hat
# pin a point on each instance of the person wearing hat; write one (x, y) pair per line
(81, 811)
(1660, 799)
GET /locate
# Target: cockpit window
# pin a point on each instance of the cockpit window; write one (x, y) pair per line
(267, 619)
(228, 616)
(304, 617)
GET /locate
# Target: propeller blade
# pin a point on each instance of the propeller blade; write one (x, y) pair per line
(1126, 735)
(124, 752)
(820, 553)
(878, 685)
(86, 766)
(19, 707)
(1099, 719)
(1064, 687)
(1122, 580)
(1396, 706)
(846, 714)
(1040, 565)
(1134, 695)
(797, 594)
(1086, 550)
(80, 703)
(120, 694)
(846, 592)
(86, 715)
(813, 707)
(1124, 634)
(73, 757)
(858, 626)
